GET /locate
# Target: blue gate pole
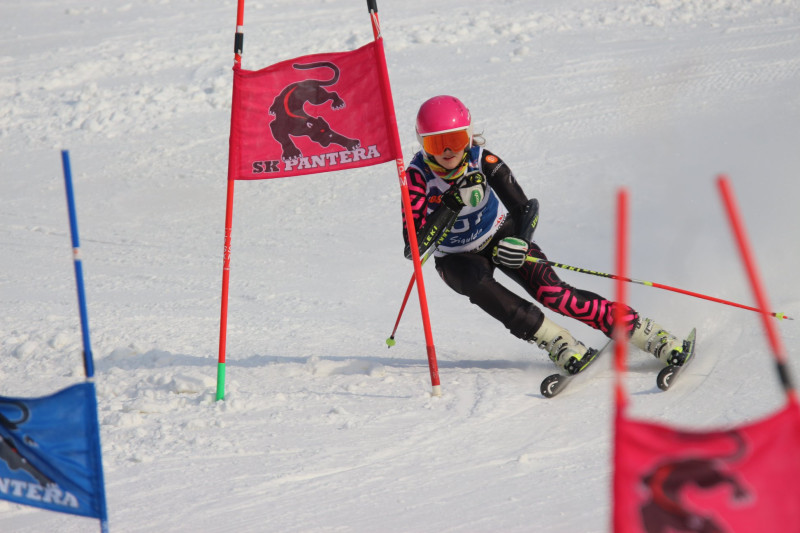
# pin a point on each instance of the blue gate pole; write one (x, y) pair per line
(88, 363)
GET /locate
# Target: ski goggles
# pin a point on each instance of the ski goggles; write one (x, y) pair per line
(437, 143)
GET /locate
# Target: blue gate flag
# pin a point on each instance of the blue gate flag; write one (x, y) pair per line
(50, 452)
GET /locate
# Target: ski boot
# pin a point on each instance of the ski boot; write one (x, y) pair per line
(652, 338)
(567, 353)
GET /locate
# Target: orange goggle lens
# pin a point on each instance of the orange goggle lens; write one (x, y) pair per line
(437, 143)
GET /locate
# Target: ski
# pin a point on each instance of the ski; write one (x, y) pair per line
(555, 383)
(666, 378)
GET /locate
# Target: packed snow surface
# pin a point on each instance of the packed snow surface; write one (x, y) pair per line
(322, 428)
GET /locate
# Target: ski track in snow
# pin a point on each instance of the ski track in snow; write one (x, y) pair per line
(323, 428)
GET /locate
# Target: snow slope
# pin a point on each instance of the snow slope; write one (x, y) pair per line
(323, 428)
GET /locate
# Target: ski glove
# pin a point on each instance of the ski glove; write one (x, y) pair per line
(511, 252)
(469, 189)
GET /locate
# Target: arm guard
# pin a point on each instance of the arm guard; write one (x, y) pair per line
(529, 220)
(436, 227)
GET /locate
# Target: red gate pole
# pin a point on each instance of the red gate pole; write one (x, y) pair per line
(620, 335)
(737, 226)
(226, 256)
(620, 346)
(372, 6)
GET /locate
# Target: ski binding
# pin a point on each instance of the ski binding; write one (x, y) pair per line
(666, 378)
(555, 383)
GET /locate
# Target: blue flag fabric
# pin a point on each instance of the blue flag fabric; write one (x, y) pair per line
(50, 452)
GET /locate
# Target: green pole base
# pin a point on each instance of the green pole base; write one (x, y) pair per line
(220, 381)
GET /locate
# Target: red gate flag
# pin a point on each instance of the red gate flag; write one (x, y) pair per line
(742, 479)
(311, 114)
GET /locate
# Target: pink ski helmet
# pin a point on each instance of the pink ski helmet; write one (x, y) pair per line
(444, 115)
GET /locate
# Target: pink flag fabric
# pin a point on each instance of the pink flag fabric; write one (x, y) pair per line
(311, 114)
(746, 479)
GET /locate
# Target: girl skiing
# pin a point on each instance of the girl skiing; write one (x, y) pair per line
(455, 183)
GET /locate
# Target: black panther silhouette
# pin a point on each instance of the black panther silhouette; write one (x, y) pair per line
(10, 454)
(291, 119)
(664, 511)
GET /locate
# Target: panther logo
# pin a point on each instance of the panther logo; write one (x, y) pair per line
(665, 512)
(9, 452)
(291, 119)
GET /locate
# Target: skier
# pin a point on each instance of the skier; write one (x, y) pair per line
(453, 181)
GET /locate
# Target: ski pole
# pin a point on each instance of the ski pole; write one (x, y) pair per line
(779, 316)
(390, 341)
(430, 235)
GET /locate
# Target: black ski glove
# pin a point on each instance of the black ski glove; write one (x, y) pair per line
(512, 252)
(469, 189)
